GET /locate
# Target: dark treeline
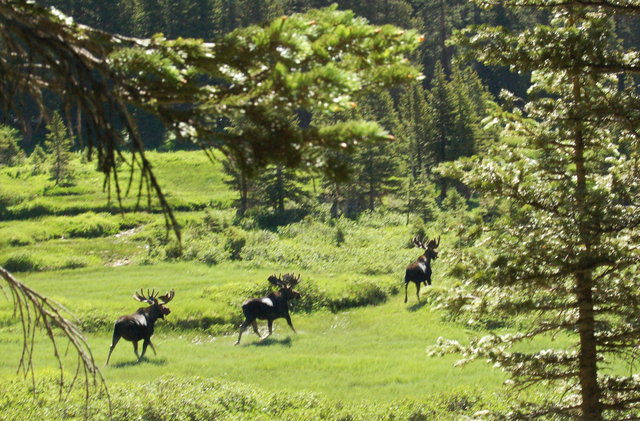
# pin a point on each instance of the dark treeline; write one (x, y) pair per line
(211, 18)
(433, 121)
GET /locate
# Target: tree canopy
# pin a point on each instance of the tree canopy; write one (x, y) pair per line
(312, 62)
(562, 255)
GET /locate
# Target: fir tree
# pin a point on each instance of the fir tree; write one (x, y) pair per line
(564, 253)
(58, 145)
(10, 152)
(38, 159)
(277, 186)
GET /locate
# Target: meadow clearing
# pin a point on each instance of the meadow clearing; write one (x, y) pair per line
(360, 352)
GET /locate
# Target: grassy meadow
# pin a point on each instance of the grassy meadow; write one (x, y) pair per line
(360, 352)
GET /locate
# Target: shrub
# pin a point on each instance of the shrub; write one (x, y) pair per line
(236, 240)
(22, 262)
(207, 250)
(198, 399)
(91, 225)
(272, 220)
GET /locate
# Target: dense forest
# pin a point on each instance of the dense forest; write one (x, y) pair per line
(509, 126)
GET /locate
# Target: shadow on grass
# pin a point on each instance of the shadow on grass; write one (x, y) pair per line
(270, 341)
(133, 363)
(416, 306)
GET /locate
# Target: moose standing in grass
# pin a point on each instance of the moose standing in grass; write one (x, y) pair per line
(273, 306)
(419, 272)
(139, 325)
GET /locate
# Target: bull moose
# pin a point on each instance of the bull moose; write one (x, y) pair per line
(139, 325)
(419, 272)
(273, 306)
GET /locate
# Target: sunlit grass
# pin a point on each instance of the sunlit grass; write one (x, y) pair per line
(365, 354)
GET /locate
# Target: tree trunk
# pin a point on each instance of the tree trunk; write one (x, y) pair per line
(444, 55)
(244, 194)
(280, 192)
(591, 407)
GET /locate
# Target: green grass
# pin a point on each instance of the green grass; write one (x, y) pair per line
(189, 180)
(365, 354)
(358, 345)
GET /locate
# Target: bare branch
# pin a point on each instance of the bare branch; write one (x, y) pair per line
(37, 311)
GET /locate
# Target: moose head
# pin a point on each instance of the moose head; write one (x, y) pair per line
(286, 284)
(156, 304)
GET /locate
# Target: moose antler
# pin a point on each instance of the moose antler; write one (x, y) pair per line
(167, 297)
(421, 242)
(291, 279)
(418, 241)
(276, 280)
(433, 243)
(150, 298)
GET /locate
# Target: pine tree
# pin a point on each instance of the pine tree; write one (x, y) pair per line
(416, 130)
(239, 178)
(277, 186)
(564, 252)
(441, 103)
(58, 145)
(10, 152)
(38, 160)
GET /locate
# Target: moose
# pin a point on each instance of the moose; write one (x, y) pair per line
(273, 306)
(420, 271)
(139, 325)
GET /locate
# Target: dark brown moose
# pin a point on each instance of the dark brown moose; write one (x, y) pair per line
(139, 325)
(419, 272)
(273, 306)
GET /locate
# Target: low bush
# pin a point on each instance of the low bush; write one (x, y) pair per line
(92, 225)
(198, 399)
(21, 261)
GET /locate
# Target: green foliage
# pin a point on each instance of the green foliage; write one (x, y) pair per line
(199, 399)
(562, 249)
(38, 159)
(10, 151)
(277, 185)
(58, 145)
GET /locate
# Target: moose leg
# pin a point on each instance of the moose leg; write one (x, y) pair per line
(152, 347)
(270, 329)
(146, 342)
(254, 325)
(406, 285)
(114, 341)
(418, 290)
(135, 349)
(243, 326)
(290, 324)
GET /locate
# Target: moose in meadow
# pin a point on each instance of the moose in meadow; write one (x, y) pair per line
(420, 271)
(139, 325)
(273, 306)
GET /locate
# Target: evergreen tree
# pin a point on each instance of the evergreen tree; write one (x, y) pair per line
(277, 185)
(564, 254)
(58, 145)
(456, 106)
(240, 181)
(38, 160)
(374, 167)
(441, 104)
(134, 19)
(10, 152)
(416, 130)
